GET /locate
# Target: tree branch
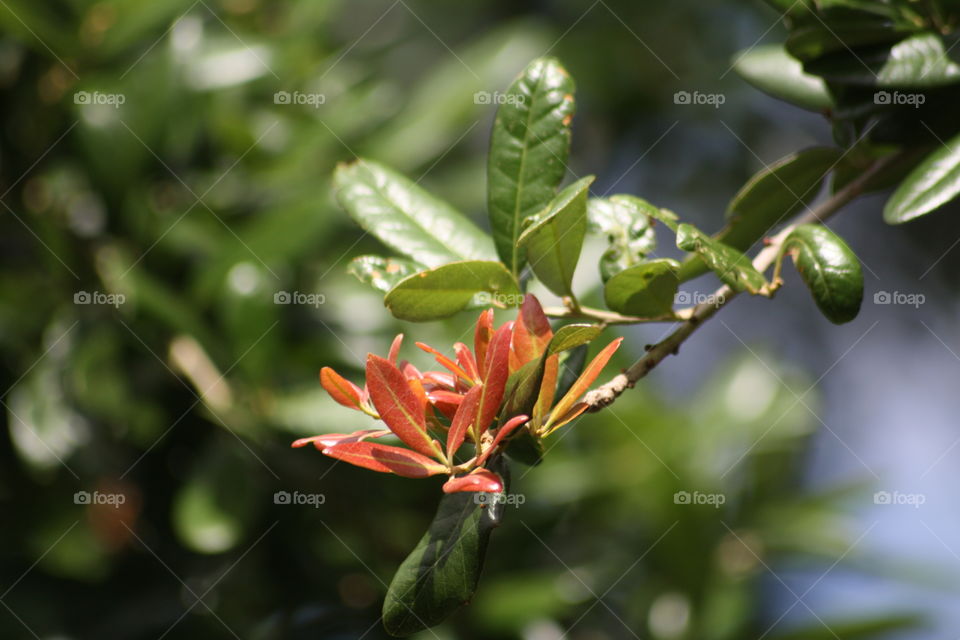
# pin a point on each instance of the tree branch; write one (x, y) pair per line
(605, 394)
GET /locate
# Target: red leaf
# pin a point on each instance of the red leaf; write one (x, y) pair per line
(445, 362)
(439, 379)
(410, 371)
(331, 439)
(466, 361)
(465, 417)
(477, 480)
(509, 427)
(446, 402)
(482, 336)
(531, 333)
(398, 405)
(340, 389)
(395, 348)
(494, 376)
(385, 459)
(583, 383)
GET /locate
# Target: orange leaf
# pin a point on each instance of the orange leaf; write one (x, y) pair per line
(477, 480)
(466, 415)
(508, 428)
(331, 439)
(398, 405)
(385, 459)
(466, 361)
(446, 402)
(395, 348)
(494, 377)
(482, 336)
(583, 383)
(548, 389)
(531, 333)
(340, 389)
(446, 362)
(569, 416)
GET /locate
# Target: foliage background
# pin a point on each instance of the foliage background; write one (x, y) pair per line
(200, 198)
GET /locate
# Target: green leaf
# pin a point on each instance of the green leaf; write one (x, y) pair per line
(571, 336)
(848, 32)
(775, 72)
(626, 222)
(917, 62)
(522, 388)
(830, 270)
(529, 147)
(442, 572)
(406, 218)
(442, 292)
(646, 290)
(572, 363)
(932, 184)
(382, 273)
(732, 267)
(554, 237)
(773, 195)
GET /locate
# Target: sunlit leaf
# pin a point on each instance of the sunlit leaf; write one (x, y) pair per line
(442, 292)
(830, 270)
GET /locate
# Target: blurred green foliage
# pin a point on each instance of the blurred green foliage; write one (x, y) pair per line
(198, 200)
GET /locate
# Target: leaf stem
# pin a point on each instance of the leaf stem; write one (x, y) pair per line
(609, 317)
(607, 393)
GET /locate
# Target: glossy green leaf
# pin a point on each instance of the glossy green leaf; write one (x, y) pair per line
(817, 37)
(406, 218)
(917, 62)
(382, 273)
(773, 195)
(442, 292)
(529, 147)
(571, 336)
(554, 237)
(646, 290)
(932, 184)
(572, 363)
(774, 71)
(522, 388)
(830, 270)
(731, 266)
(442, 572)
(626, 222)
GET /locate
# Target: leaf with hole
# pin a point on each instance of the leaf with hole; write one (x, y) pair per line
(731, 266)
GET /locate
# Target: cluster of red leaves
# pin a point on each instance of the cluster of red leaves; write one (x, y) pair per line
(464, 402)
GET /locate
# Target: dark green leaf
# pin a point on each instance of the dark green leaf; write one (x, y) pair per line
(522, 389)
(382, 273)
(571, 366)
(646, 290)
(442, 292)
(554, 237)
(571, 336)
(732, 267)
(932, 184)
(774, 71)
(525, 448)
(626, 222)
(406, 218)
(442, 572)
(529, 147)
(830, 270)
